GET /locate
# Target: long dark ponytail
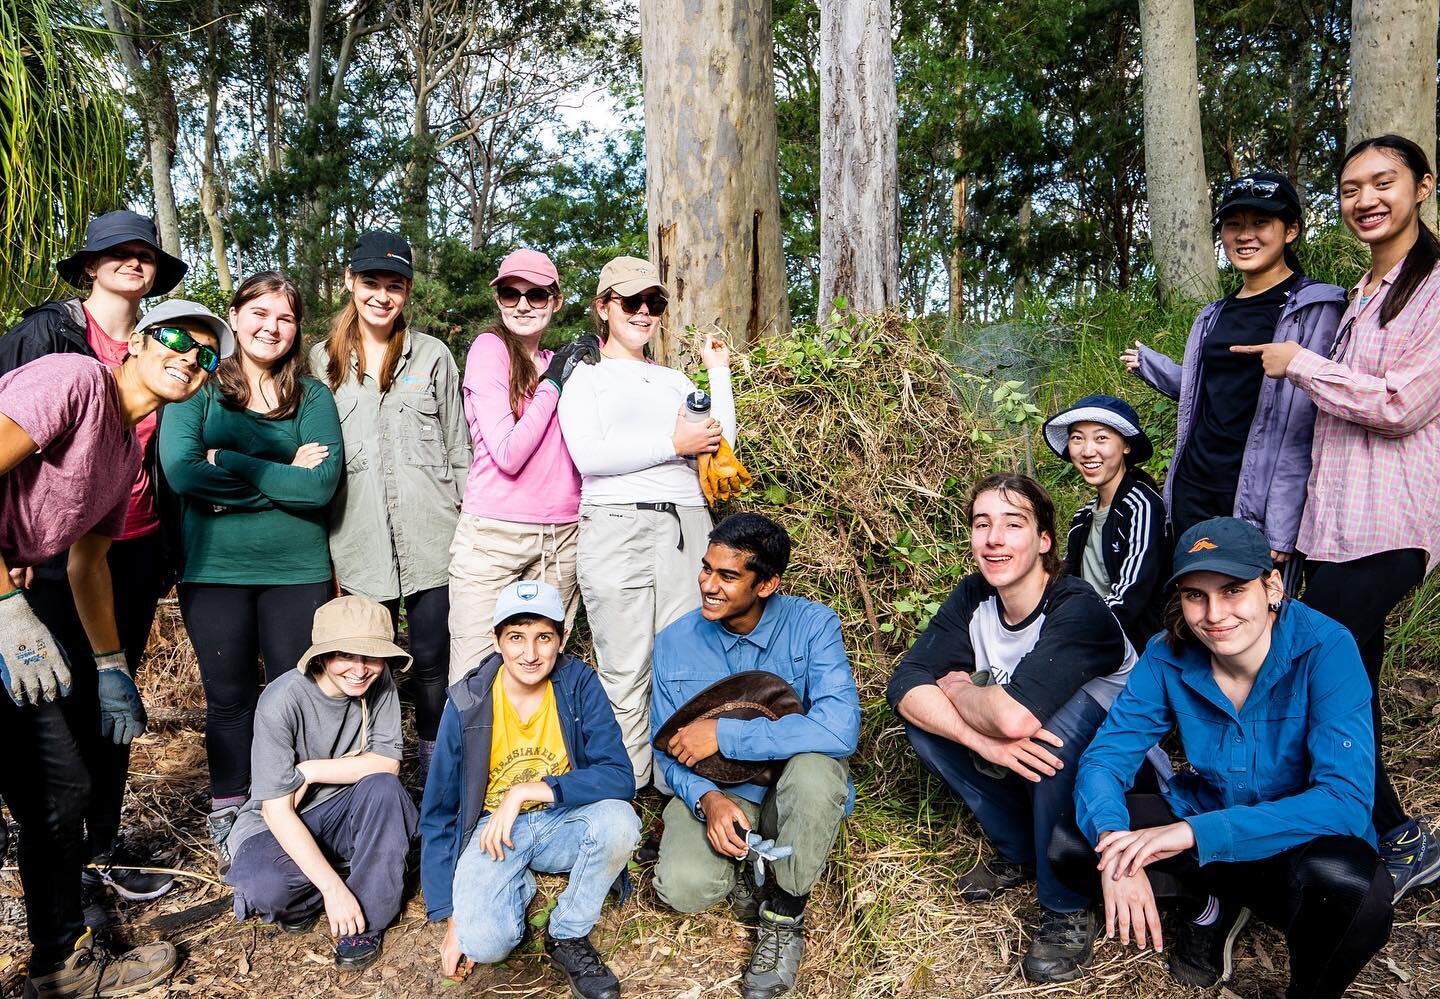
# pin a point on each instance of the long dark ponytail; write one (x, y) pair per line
(1423, 256)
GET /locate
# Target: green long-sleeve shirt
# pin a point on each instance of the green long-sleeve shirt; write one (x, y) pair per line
(252, 518)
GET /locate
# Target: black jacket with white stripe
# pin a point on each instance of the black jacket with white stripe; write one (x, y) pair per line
(1136, 548)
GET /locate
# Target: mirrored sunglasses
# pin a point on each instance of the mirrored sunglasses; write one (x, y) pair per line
(182, 342)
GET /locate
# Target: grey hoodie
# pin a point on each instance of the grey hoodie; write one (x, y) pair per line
(1276, 466)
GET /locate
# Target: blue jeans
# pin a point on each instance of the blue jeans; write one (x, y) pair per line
(1017, 815)
(592, 843)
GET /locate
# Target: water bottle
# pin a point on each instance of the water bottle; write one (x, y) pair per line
(697, 410)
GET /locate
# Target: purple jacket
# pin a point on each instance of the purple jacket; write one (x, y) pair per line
(1276, 466)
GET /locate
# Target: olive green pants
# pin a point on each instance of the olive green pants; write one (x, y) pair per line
(803, 811)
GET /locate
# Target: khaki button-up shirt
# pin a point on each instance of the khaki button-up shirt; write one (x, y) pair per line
(407, 452)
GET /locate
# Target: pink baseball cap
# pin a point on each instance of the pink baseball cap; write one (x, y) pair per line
(532, 265)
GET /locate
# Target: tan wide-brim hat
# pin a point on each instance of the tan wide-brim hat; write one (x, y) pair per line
(755, 693)
(629, 276)
(357, 625)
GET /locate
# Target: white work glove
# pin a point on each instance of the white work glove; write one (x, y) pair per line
(31, 666)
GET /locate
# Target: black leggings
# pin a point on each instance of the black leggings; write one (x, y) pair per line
(1330, 896)
(231, 627)
(1360, 594)
(137, 577)
(427, 624)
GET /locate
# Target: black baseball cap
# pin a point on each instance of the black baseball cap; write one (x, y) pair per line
(112, 229)
(1264, 191)
(378, 250)
(1227, 545)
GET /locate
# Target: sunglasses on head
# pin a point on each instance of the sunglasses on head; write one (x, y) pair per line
(1249, 185)
(652, 300)
(509, 296)
(182, 342)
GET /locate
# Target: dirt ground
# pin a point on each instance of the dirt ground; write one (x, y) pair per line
(885, 922)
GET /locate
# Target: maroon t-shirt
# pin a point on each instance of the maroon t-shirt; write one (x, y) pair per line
(79, 480)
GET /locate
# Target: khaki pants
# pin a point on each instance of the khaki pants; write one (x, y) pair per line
(803, 810)
(636, 580)
(487, 556)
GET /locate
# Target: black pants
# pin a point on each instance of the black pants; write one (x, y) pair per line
(427, 622)
(1360, 594)
(231, 627)
(137, 574)
(1331, 896)
(45, 782)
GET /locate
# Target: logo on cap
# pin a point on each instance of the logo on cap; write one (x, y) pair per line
(527, 591)
(1202, 545)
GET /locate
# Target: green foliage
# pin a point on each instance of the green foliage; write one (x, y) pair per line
(64, 141)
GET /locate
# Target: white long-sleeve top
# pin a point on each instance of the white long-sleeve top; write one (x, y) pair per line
(618, 418)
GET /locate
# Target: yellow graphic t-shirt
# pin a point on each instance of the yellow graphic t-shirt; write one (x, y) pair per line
(523, 751)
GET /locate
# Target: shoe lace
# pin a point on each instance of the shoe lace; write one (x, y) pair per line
(766, 956)
(360, 940)
(1062, 927)
(583, 960)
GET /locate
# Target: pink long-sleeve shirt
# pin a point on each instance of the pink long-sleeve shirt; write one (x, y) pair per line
(522, 472)
(1375, 477)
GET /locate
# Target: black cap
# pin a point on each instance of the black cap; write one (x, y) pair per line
(378, 250)
(1263, 190)
(1227, 545)
(112, 229)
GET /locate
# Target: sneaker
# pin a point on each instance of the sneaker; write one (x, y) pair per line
(746, 896)
(1204, 955)
(990, 877)
(1412, 856)
(1061, 946)
(775, 961)
(220, 822)
(301, 924)
(358, 952)
(587, 973)
(121, 872)
(91, 973)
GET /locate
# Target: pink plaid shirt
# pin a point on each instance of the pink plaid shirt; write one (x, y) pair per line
(1375, 479)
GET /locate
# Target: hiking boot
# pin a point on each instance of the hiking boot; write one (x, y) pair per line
(775, 961)
(989, 878)
(1061, 946)
(300, 924)
(120, 871)
(1204, 955)
(746, 896)
(220, 822)
(1412, 856)
(358, 952)
(584, 969)
(91, 973)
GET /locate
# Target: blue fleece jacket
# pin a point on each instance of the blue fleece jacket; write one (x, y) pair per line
(454, 801)
(1296, 762)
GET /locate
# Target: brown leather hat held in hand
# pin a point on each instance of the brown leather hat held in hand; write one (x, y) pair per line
(751, 694)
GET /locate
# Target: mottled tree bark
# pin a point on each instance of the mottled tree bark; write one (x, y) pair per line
(1392, 73)
(1174, 154)
(712, 173)
(859, 200)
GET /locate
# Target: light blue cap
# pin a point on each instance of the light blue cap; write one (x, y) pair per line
(529, 596)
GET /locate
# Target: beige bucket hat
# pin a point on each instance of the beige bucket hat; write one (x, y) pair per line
(357, 625)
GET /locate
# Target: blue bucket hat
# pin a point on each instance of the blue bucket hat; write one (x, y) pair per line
(112, 229)
(1108, 411)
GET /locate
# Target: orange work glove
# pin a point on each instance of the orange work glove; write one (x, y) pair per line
(722, 477)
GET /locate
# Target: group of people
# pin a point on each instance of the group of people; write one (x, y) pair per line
(305, 503)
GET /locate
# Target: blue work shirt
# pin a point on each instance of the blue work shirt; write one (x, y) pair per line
(1296, 762)
(796, 639)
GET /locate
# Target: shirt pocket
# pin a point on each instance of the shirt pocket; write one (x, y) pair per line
(356, 458)
(420, 429)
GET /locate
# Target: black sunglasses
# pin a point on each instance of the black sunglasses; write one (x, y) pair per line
(1249, 185)
(652, 300)
(182, 342)
(509, 296)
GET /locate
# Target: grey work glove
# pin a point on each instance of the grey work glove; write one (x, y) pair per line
(585, 349)
(122, 715)
(761, 850)
(31, 666)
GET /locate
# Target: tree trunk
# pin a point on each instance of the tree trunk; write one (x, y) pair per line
(859, 201)
(1022, 243)
(1392, 73)
(712, 173)
(155, 106)
(209, 195)
(957, 251)
(1174, 154)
